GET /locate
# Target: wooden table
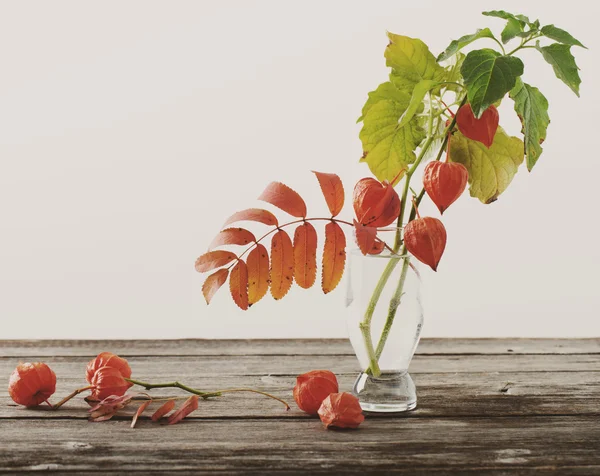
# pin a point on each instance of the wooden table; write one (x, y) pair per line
(498, 406)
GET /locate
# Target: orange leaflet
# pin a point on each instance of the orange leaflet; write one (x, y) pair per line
(333, 190)
(258, 274)
(253, 214)
(238, 284)
(365, 237)
(140, 410)
(305, 255)
(190, 405)
(282, 264)
(285, 198)
(213, 283)
(334, 256)
(232, 236)
(163, 410)
(214, 259)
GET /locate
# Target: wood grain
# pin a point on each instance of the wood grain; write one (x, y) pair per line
(486, 406)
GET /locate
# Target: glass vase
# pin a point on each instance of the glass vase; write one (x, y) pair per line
(385, 318)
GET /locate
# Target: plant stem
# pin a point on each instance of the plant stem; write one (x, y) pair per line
(204, 395)
(70, 396)
(374, 368)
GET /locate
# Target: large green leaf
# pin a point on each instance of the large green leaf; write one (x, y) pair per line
(489, 76)
(385, 91)
(532, 108)
(389, 149)
(512, 29)
(411, 62)
(456, 45)
(562, 36)
(563, 63)
(490, 170)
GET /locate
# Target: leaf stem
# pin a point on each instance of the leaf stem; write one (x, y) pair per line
(70, 396)
(204, 395)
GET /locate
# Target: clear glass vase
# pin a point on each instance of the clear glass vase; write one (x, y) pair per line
(385, 318)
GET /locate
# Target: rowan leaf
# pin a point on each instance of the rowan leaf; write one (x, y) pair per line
(253, 214)
(488, 77)
(214, 259)
(365, 237)
(560, 35)
(305, 255)
(389, 149)
(562, 61)
(334, 256)
(411, 62)
(213, 283)
(163, 410)
(456, 45)
(232, 236)
(139, 411)
(285, 198)
(490, 170)
(258, 274)
(532, 108)
(333, 191)
(238, 284)
(190, 405)
(282, 264)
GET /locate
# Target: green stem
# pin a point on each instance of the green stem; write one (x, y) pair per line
(205, 395)
(374, 368)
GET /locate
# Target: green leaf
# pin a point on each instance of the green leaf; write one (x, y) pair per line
(416, 100)
(507, 16)
(557, 34)
(385, 91)
(411, 62)
(456, 45)
(512, 29)
(490, 170)
(388, 149)
(532, 108)
(563, 63)
(489, 76)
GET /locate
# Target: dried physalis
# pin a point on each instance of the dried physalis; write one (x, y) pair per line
(483, 129)
(32, 384)
(425, 238)
(376, 204)
(312, 388)
(108, 381)
(107, 359)
(445, 182)
(341, 410)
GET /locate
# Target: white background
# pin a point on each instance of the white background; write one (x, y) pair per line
(129, 131)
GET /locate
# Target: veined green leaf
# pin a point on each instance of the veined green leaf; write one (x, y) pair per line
(385, 91)
(389, 149)
(411, 62)
(507, 16)
(512, 29)
(416, 100)
(532, 108)
(563, 63)
(488, 76)
(562, 36)
(456, 45)
(490, 170)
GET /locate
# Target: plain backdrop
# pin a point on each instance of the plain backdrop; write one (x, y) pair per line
(129, 131)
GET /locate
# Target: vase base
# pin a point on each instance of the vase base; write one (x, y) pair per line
(391, 392)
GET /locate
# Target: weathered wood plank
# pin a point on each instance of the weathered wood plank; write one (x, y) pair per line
(451, 444)
(174, 367)
(440, 395)
(428, 346)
